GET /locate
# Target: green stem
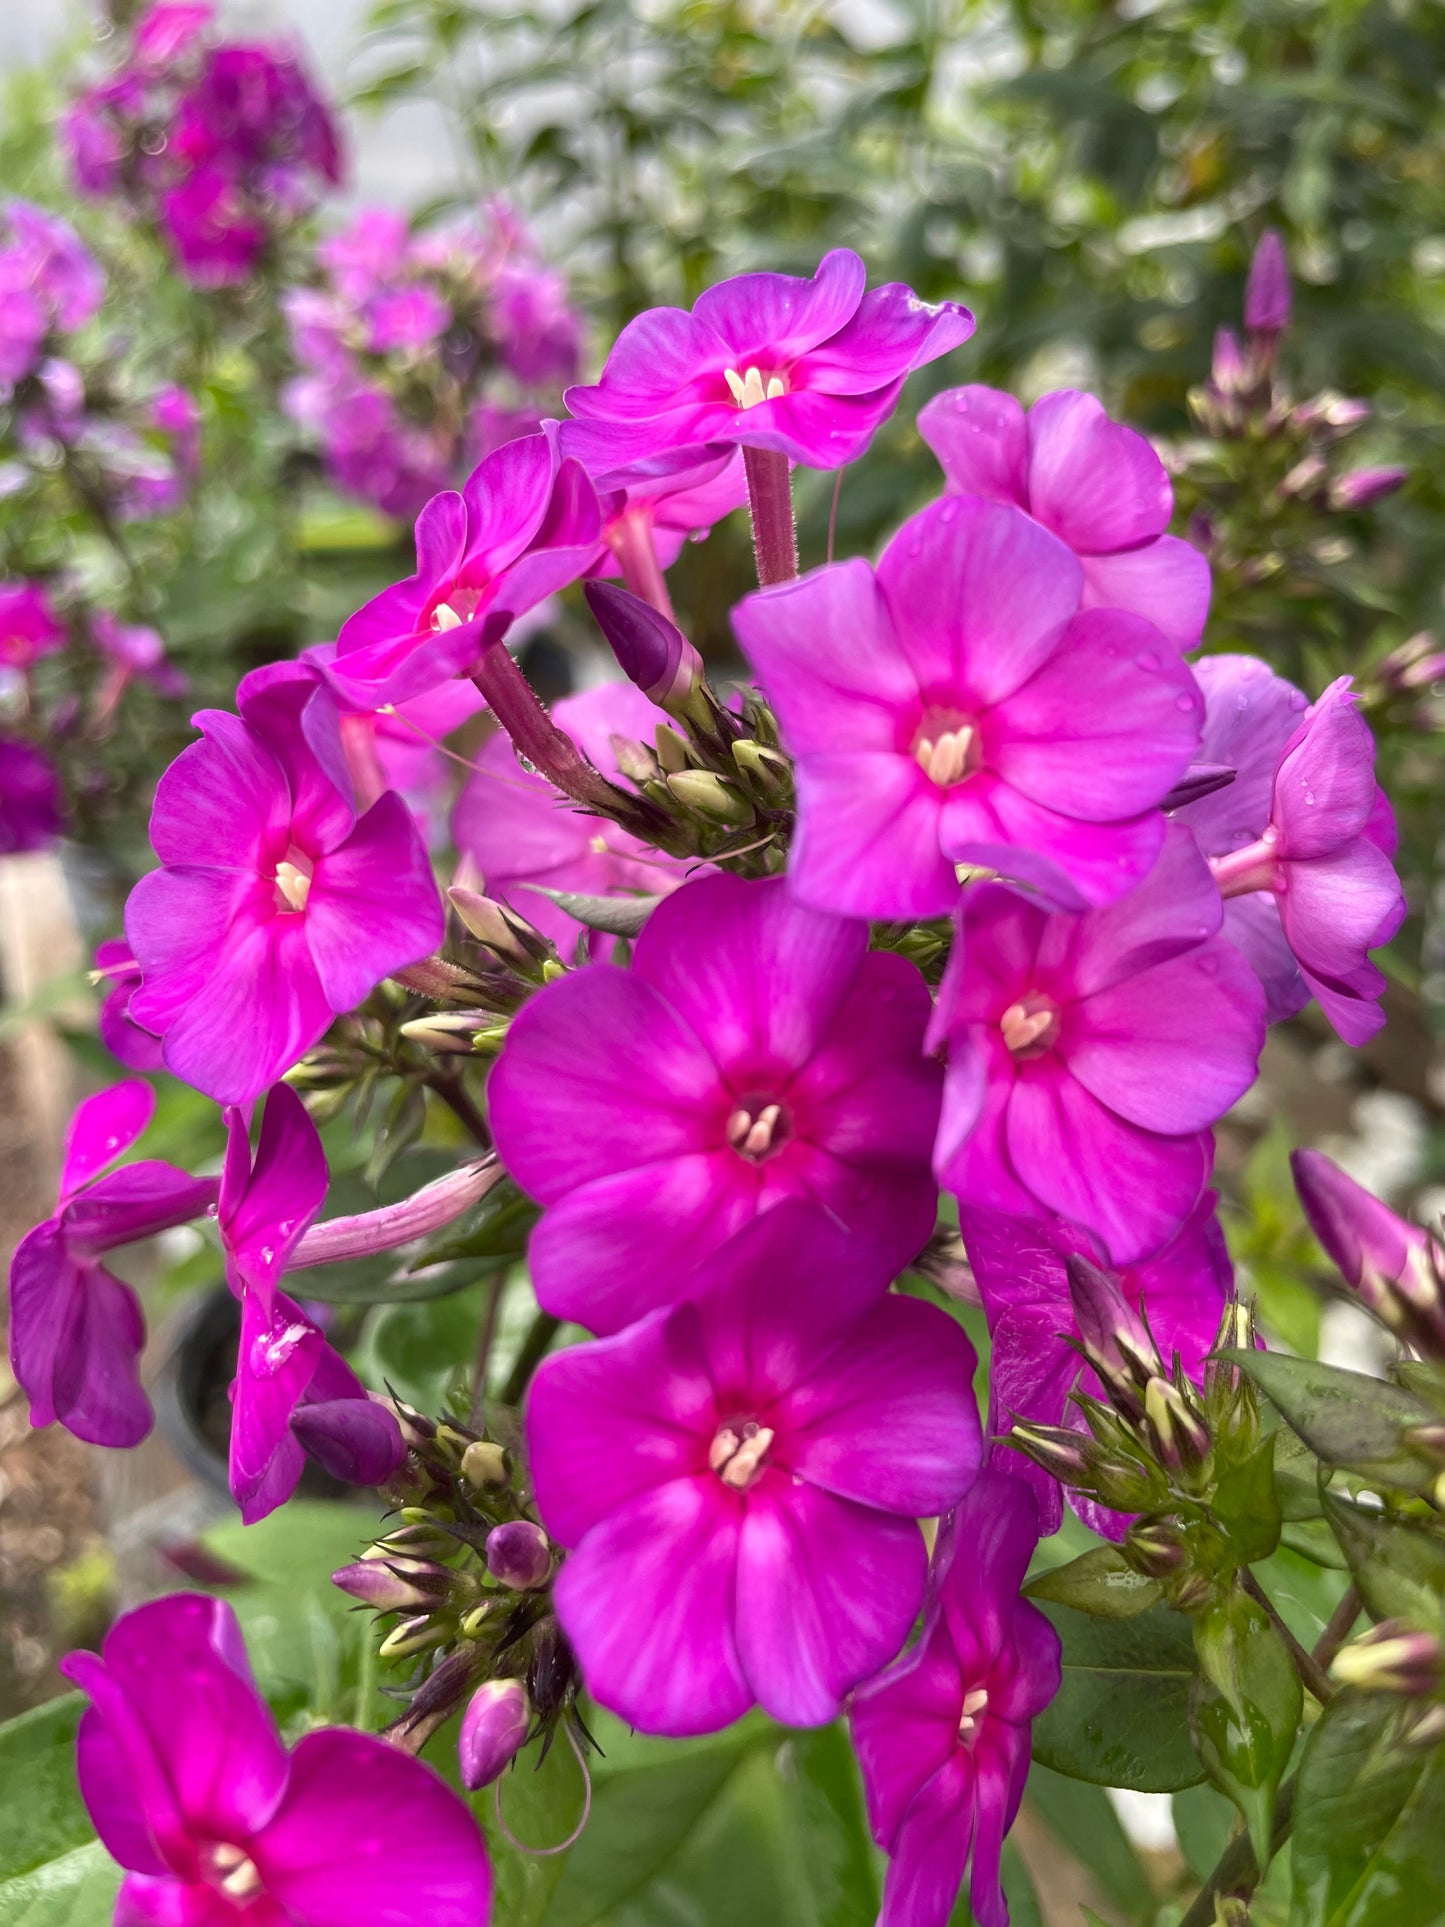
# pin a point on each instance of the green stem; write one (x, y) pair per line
(484, 1352)
(1312, 1675)
(534, 1349)
(1237, 1872)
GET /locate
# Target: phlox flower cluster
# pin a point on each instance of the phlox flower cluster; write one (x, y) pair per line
(422, 352)
(220, 145)
(985, 887)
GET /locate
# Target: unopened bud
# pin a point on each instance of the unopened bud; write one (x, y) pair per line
(1230, 371)
(412, 1636)
(1116, 1339)
(1305, 477)
(356, 1440)
(1125, 1485)
(413, 1542)
(484, 1465)
(488, 1041)
(1267, 297)
(1156, 1547)
(446, 1031)
(519, 1555)
(1391, 1658)
(1365, 485)
(1391, 1267)
(1198, 781)
(1180, 1436)
(769, 768)
(672, 756)
(1416, 664)
(1063, 1454)
(473, 1622)
(651, 651)
(708, 795)
(494, 1728)
(393, 1584)
(507, 935)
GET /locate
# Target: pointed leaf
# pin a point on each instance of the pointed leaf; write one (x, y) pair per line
(1120, 1717)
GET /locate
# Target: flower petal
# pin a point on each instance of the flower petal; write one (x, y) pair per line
(867, 840)
(373, 906)
(1167, 582)
(981, 441)
(224, 803)
(1098, 484)
(103, 1126)
(769, 320)
(925, 1872)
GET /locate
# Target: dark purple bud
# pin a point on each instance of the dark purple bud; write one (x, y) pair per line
(509, 936)
(1267, 299)
(393, 1585)
(519, 1555)
(494, 1727)
(354, 1439)
(1200, 779)
(1066, 1456)
(1365, 485)
(1156, 1547)
(1115, 1336)
(652, 652)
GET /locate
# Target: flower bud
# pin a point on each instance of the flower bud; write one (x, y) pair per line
(484, 1465)
(708, 795)
(393, 1584)
(1156, 1547)
(1230, 371)
(769, 768)
(494, 1728)
(448, 1032)
(1199, 780)
(489, 1041)
(1180, 1436)
(1391, 1658)
(355, 1439)
(1365, 485)
(507, 935)
(413, 1542)
(651, 651)
(1267, 298)
(1305, 477)
(338, 1240)
(1066, 1456)
(519, 1555)
(1416, 664)
(1391, 1267)
(1116, 1339)
(412, 1636)
(1126, 1485)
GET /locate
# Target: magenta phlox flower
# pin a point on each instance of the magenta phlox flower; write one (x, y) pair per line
(1300, 842)
(1089, 1055)
(957, 707)
(191, 1789)
(1267, 294)
(215, 233)
(32, 805)
(663, 502)
(525, 525)
(48, 280)
(519, 830)
(1021, 1268)
(275, 907)
(368, 254)
(164, 33)
(739, 1478)
(1094, 483)
(943, 1737)
(755, 1050)
(76, 1331)
(29, 626)
(122, 1036)
(133, 652)
(292, 1393)
(539, 332)
(806, 367)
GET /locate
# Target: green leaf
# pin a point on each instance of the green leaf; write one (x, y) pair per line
(1082, 1819)
(1203, 1820)
(1398, 1567)
(1344, 1417)
(1101, 1581)
(1244, 1708)
(1369, 1820)
(42, 1815)
(76, 1890)
(1121, 1715)
(541, 1803)
(824, 1792)
(1246, 1507)
(423, 1351)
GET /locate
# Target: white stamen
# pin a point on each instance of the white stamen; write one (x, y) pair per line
(749, 388)
(1023, 1027)
(750, 1136)
(944, 760)
(738, 1462)
(294, 883)
(239, 1877)
(444, 616)
(975, 1703)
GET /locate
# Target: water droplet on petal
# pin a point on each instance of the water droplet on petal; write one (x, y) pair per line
(1147, 659)
(1185, 703)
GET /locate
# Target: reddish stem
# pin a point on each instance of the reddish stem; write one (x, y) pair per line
(636, 550)
(514, 703)
(770, 497)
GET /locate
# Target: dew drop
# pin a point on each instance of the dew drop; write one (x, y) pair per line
(1147, 659)
(948, 512)
(1184, 703)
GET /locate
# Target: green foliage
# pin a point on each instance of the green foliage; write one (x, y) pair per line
(53, 1872)
(1121, 1715)
(1099, 1581)
(1397, 1564)
(1244, 1709)
(77, 1889)
(1348, 1420)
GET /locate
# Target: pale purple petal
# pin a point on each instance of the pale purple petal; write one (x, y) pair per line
(611, 1420)
(103, 1126)
(1070, 863)
(1334, 908)
(259, 1013)
(367, 1833)
(1249, 716)
(224, 803)
(1094, 482)
(867, 840)
(1176, 907)
(1104, 727)
(826, 1593)
(977, 593)
(1324, 791)
(1167, 582)
(981, 441)
(667, 1561)
(1252, 925)
(373, 905)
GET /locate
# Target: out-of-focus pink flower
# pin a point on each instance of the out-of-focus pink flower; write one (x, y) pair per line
(122, 1036)
(524, 526)
(275, 908)
(191, 1790)
(1300, 842)
(1393, 1268)
(1021, 1268)
(943, 1737)
(957, 707)
(1362, 486)
(32, 807)
(216, 235)
(133, 652)
(292, 1393)
(651, 508)
(755, 1051)
(29, 626)
(165, 32)
(1094, 483)
(519, 830)
(741, 1475)
(806, 368)
(48, 280)
(76, 1331)
(1088, 1056)
(1267, 297)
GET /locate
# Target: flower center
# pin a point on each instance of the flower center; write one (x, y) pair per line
(739, 1452)
(975, 1705)
(293, 880)
(946, 747)
(460, 606)
(1031, 1026)
(233, 1871)
(751, 387)
(757, 1129)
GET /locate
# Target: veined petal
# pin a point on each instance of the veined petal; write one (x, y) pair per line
(981, 441)
(1098, 484)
